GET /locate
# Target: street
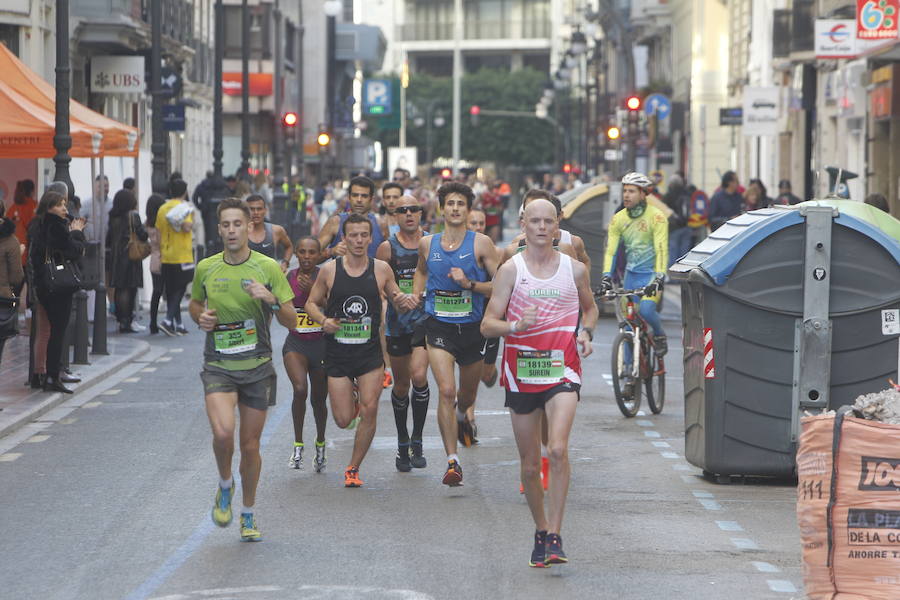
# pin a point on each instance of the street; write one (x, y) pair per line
(108, 496)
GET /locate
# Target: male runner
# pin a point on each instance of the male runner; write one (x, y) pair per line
(234, 295)
(390, 195)
(264, 237)
(362, 191)
(405, 336)
(535, 303)
(304, 355)
(454, 271)
(346, 300)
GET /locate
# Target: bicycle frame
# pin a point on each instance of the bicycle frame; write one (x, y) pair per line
(629, 317)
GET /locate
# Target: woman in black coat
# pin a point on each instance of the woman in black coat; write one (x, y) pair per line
(126, 275)
(51, 234)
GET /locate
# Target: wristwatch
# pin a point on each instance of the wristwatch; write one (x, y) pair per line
(275, 307)
(471, 285)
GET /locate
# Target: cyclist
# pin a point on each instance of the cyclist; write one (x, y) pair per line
(644, 231)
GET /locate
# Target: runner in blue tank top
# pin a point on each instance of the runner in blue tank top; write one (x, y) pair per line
(454, 272)
(362, 192)
(405, 336)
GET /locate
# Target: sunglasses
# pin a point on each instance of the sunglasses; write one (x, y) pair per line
(408, 209)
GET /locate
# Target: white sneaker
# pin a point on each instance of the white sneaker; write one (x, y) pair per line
(296, 461)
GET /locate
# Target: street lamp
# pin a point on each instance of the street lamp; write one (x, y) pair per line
(578, 43)
(332, 8)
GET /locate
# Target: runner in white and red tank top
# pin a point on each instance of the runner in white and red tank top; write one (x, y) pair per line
(535, 302)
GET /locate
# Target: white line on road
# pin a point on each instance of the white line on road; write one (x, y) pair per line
(669, 455)
(651, 434)
(744, 543)
(113, 392)
(10, 456)
(641, 413)
(131, 379)
(682, 467)
(36, 439)
(148, 370)
(645, 423)
(689, 479)
(781, 585)
(729, 526)
(164, 359)
(661, 444)
(94, 404)
(709, 504)
(68, 421)
(176, 350)
(701, 494)
(764, 567)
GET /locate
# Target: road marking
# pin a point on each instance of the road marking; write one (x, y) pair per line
(764, 567)
(669, 455)
(641, 413)
(164, 359)
(176, 350)
(10, 456)
(700, 494)
(68, 421)
(36, 439)
(652, 434)
(306, 591)
(661, 444)
(94, 404)
(131, 379)
(645, 423)
(689, 479)
(491, 413)
(744, 543)
(148, 370)
(709, 504)
(113, 392)
(781, 585)
(729, 526)
(682, 467)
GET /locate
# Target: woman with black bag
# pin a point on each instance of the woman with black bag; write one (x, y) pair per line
(11, 278)
(128, 246)
(55, 246)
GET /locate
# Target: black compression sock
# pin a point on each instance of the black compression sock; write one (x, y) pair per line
(401, 408)
(420, 409)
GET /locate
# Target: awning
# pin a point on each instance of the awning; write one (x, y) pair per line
(118, 139)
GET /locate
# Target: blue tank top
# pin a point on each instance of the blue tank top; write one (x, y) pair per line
(377, 237)
(403, 263)
(444, 299)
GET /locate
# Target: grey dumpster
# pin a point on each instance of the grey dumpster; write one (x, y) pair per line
(784, 310)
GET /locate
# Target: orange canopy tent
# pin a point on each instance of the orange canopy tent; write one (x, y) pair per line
(118, 139)
(27, 130)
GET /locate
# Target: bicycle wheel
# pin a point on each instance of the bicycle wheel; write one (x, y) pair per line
(628, 403)
(655, 382)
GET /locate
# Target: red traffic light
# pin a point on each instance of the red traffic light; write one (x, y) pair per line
(289, 119)
(475, 110)
(446, 173)
(567, 168)
(633, 103)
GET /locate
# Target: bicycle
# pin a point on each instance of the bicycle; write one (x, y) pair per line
(646, 366)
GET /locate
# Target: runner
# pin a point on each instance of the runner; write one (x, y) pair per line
(349, 289)
(304, 355)
(406, 336)
(264, 237)
(234, 295)
(454, 271)
(390, 195)
(535, 303)
(362, 191)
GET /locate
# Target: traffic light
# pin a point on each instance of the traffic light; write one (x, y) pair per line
(634, 103)
(290, 120)
(474, 111)
(446, 173)
(323, 139)
(613, 133)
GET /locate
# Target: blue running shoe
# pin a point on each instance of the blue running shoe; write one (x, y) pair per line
(249, 532)
(221, 510)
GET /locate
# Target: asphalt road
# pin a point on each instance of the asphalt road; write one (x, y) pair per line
(108, 496)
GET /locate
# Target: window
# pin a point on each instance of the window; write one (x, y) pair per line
(9, 36)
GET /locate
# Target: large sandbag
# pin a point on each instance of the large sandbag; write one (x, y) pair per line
(813, 493)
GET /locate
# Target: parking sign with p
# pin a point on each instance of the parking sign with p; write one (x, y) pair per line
(377, 97)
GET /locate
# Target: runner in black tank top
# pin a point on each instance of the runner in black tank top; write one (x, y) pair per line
(355, 301)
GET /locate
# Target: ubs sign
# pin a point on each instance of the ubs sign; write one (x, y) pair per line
(117, 74)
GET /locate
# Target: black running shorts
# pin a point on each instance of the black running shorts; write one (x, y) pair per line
(523, 403)
(313, 350)
(402, 345)
(255, 387)
(463, 341)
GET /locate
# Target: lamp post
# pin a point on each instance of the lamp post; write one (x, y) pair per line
(332, 8)
(62, 140)
(278, 145)
(244, 171)
(158, 179)
(217, 89)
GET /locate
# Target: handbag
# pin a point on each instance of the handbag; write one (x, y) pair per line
(9, 317)
(137, 250)
(59, 275)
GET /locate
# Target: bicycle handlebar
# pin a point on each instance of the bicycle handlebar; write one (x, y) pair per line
(616, 293)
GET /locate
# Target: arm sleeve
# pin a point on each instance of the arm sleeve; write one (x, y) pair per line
(612, 244)
(660, 229)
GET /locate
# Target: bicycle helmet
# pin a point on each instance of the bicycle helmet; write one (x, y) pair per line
(637, 179)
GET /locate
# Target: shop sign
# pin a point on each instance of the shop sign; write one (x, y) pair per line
(835, 38)
(881, 97)
(877, 19)
(260, 84)
(117, 74)
(760, 111)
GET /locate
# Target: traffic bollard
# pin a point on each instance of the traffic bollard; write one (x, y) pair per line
(99, 338)
(81, 328)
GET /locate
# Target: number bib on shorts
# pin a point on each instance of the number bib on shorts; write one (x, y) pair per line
(405, 285)
(234, 338)
(538, 367)
(354, 331)
(452, 303)
(305, 324)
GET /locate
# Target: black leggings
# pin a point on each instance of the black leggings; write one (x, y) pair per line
(175, 280)
(59, 309)
(158, 290)
(125, 304)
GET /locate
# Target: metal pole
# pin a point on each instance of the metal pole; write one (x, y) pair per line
(403, 104)
(158, 180)
(62, 141)
(217, 88)
(278, 142)
(330, 91)
(99, 339)
(245, 91)
(298, 135)
(457, 78)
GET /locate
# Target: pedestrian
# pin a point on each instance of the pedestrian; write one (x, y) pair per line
(21, 211)
(97, 217)
(174, 220)
(492, 205)
(537, 301)
(878, 201)
(128, 184)
(785, 197)
(126, 275)
(727, 202)
(54, 237)
(12, 276)
(764, 200)
(681, 236)
(753, 199)
(154, 202)
(233, 298)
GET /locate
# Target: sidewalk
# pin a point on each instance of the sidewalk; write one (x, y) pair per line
(19, 404)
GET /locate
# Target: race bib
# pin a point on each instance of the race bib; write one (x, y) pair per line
(234, 338)
(354, 331)
(452, 304)
(537, 367)
(405, 285)
(305, 324)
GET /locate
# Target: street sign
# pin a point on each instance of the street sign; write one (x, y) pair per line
(612, 154)
(377, 97)
(733, 116)
(659, 104)
(173, 117)
(171, 82)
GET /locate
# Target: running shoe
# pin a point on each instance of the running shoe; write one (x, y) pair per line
(388, 380)
(296, 461)
(555, 554)
(168, 328)
(249, 531)
(545, 472)
(320, 460)
(417, 459)
(402, 461)
(351, 477)
(181, 329)
(453, 476)
(539, 554)
(466, 432)
(221, 510)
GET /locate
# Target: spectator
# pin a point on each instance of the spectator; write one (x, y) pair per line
(128, 184)
(12, 275)
(785, 196)
(153, 205)
(727, 202)
(21, 212)
(764, 200)
(680, 235)
(51, 233)
(97, 224)
(174, 220)
(878, 201)
(492, 206)
(753, 199)
(126, 275)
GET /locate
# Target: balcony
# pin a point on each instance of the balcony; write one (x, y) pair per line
(475, 30)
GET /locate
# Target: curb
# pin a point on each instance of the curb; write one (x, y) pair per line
(53, 400)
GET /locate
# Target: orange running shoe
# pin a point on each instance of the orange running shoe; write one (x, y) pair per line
(351, 477)
(388, 380)
(453, 476)
(545, 472)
